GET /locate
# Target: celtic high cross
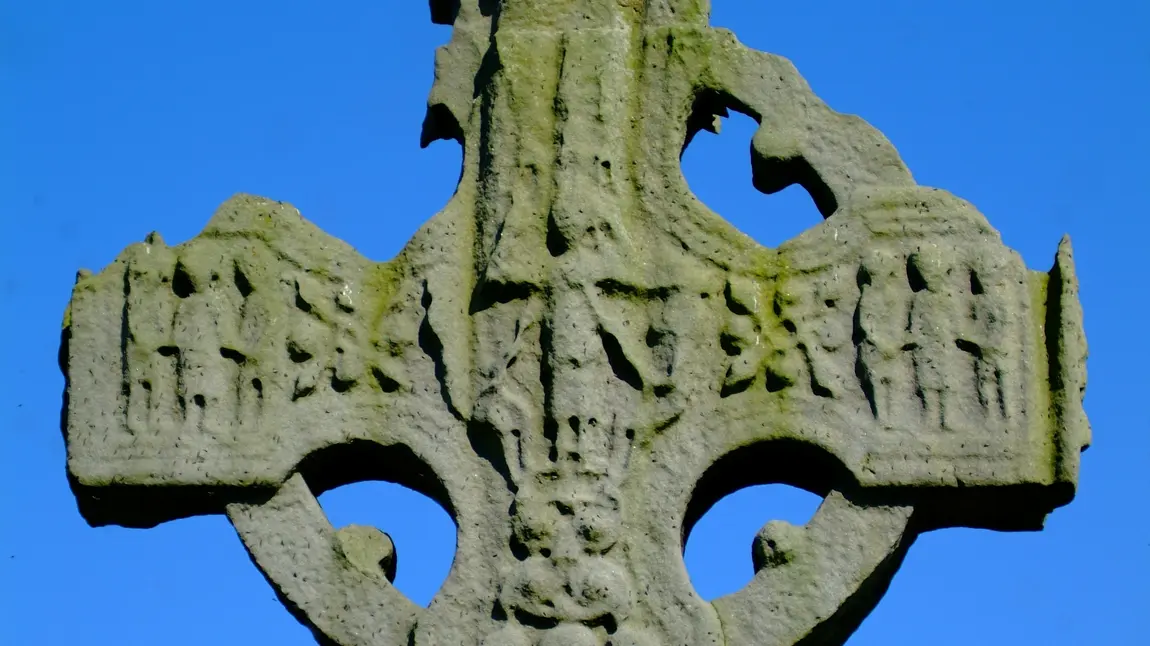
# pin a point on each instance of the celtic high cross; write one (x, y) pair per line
(576, 358)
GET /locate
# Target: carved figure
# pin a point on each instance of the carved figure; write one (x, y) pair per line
(932, 329)
(984, 338)
(883, 317)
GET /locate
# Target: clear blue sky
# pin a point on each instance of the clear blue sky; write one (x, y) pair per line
(120, 117)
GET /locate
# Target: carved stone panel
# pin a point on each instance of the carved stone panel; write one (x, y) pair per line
(576, 358)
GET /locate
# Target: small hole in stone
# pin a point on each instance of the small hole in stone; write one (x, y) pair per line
(610, 624)
(976, 287)
(654, 337)
(300, 302)
(551, 434)
(914, 275)
(182, 284)
(776, 382)
(386, 384)
(341, 385)
(242, 283)
(556, 243)
(199, 400)
(235, 356)
(730, 345)
(296, 353)
(518, 549)
(498, 613)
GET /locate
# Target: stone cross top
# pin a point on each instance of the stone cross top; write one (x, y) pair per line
(576, 358)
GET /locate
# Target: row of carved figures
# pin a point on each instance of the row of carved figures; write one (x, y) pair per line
(925, 338)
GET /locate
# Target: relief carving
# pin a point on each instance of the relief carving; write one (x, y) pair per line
(576, 358)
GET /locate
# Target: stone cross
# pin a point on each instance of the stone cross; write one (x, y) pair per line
(576, 358)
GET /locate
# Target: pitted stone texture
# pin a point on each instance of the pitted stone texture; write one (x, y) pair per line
(576, 358)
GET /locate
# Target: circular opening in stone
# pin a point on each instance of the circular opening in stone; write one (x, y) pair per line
(739, 493)
(718, 551)
(363, 485)
(422, 532)
(719, 171)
